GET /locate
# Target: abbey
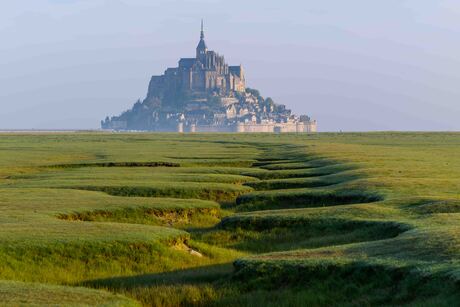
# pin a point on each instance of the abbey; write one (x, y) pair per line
(207, 72)
(205, 94)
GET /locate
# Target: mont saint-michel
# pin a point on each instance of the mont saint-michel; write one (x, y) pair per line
(205, 94)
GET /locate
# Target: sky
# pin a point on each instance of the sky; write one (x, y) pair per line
(354, 65)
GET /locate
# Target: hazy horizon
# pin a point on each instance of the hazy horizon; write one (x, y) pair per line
(354, 66)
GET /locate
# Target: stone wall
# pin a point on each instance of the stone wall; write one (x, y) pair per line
(293, 127)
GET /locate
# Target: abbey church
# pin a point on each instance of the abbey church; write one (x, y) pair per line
(205, 94)
(203, 73)
(207, 72)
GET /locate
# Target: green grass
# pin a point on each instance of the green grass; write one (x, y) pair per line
(221, 219)
(301, 198)
(34, 294)
(296, 183)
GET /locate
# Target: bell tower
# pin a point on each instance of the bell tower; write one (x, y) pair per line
(201, 49)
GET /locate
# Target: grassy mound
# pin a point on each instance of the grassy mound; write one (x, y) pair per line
(353, 284)
(151, 216)
(263, 236)
(431, 206)
(117, 164)
(299, 173)
(294, 164)
(296, 183)
(216, 192)
(302, 198)
(32, 294)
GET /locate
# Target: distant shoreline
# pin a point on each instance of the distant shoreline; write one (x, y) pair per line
(48, 130)
(6, 131)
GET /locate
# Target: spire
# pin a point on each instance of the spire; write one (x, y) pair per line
(202, 30)
(201, 49)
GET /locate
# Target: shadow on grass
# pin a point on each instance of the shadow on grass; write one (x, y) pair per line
(116, 164)
(296, 183)
(277, 234)
(291, 199)
(205, 192)
(199, 275)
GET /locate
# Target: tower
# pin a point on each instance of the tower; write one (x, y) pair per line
(201, 49)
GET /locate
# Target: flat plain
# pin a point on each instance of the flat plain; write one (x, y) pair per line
(136, 219)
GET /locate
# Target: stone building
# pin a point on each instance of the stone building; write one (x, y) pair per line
(207, 72)
(205, 94)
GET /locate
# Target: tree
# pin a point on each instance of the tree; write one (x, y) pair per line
(269, 102)
(252, 91)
